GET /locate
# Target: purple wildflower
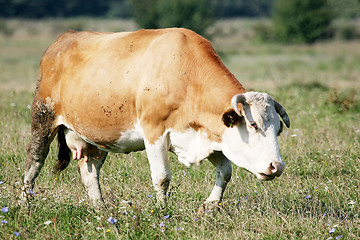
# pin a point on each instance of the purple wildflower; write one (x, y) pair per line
(4, 221)
(167, 216)
(185, 173)
(162, 224)
(134, 217)
(324, 214)
(332, 230)
(256, 191)
(196, 219)
(149, 196)
(1, 182)
(17, 233)
(246, 198)
(112, 220)
(308, 196)
(31, 192)
(338, 237)
(5, 209)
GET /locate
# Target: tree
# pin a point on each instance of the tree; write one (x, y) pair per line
(243, 8)
(193, 14)
(303, 21)
(348, 9)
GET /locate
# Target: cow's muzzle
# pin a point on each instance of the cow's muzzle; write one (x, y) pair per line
(275, 169)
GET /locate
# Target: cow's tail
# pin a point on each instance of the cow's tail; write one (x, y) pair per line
(63, 151)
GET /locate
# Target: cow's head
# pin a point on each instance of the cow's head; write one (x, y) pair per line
(250, 139)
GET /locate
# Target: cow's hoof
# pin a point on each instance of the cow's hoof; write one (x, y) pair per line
(99, 205)
(208, 207)
(22, 200)
(26, 196)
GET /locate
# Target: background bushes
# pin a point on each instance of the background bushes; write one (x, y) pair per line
(195, 15)
(286, 21)
(303, 21)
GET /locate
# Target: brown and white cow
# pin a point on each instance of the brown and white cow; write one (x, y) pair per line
(159, 90)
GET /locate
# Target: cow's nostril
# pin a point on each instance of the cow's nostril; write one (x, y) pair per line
(276, 168)
(272, 168)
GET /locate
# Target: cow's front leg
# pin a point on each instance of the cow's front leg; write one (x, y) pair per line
(223, 176)
(160, 172)
(89, 171)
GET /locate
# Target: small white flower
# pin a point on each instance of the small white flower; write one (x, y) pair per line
(47, 222)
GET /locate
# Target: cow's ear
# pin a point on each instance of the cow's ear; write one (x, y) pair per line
(230, 118)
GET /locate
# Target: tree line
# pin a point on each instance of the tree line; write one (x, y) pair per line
(292, 20)
(121, 8)
(125, 8)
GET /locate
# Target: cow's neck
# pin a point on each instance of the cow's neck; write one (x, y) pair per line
(211, 100)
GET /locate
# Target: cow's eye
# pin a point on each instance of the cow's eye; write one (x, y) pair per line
(254, 125)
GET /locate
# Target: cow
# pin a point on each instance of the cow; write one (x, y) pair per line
(159, 90)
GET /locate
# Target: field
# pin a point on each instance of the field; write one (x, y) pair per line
(317, 197)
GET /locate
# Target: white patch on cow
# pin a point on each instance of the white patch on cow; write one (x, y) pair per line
(89, 172)
(216, 194)
(191, 146)
(130, 140)
(61, 121)
(158, 159)
(49, 103)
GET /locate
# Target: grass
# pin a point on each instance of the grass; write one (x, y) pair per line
(317, 194)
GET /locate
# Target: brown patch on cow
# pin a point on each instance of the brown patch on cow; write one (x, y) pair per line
(176, 98)
(103, 83)
(213, 136)
(195, 125)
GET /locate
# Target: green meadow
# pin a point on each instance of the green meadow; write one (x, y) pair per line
(317, 197)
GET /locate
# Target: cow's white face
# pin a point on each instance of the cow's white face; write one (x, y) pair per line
(250, 141)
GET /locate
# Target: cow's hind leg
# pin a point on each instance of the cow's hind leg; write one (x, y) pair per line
(43, 130)
(89, 171)
(223, 175)
(160, 172)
